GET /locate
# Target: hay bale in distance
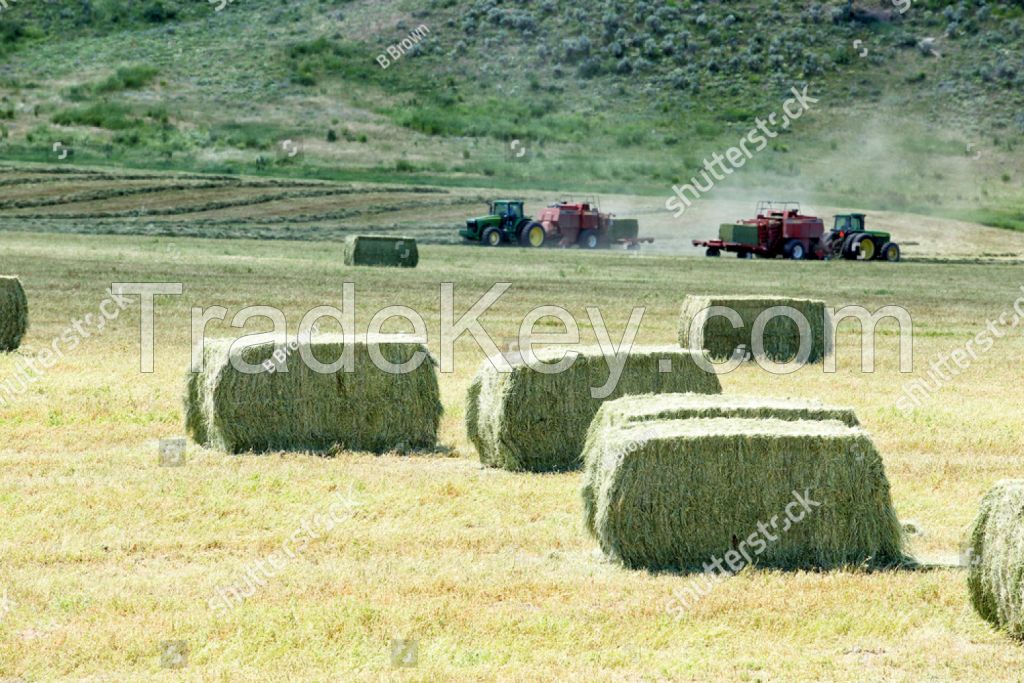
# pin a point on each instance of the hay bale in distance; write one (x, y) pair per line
(630, 410)
(678, 493)
(13, 313)
(781, 335)
(996, 578)
(369, 409)
(371, 250)
(528, 420)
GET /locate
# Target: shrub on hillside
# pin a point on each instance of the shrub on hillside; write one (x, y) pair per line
(158, 13)
(131, 77)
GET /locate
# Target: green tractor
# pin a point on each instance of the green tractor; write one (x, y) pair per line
(505, 223)
(850, 240)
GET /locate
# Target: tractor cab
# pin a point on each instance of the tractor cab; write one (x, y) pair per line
(504, 207)
(849, 222)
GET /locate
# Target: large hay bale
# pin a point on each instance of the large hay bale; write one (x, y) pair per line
(368, 409)
(781, 334)
(473, 411)
(996, 578)
(677, 494)
(13, 313)
(528, 420)
(658, 407)
(371, 250)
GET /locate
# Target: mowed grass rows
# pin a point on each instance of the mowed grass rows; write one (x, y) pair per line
(105, 554)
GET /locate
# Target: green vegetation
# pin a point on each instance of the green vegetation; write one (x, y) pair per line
(606, 95)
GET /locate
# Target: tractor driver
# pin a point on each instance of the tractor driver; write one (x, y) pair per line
(508, 219)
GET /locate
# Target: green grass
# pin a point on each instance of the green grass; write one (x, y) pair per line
(305, 69)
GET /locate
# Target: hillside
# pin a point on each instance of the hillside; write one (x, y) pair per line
(593, 94)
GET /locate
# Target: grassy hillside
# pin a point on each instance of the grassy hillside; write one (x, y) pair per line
(601, 95)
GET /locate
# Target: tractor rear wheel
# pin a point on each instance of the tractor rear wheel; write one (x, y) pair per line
(589, 239)
(866, 250)
(794, 249)
(491, 237)
(532, 235)
(849, 249)
(891, 252)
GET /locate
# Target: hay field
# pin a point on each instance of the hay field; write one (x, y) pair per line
(73, 199)
(105, 554)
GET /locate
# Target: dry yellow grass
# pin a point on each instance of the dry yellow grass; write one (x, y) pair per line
(105, 554)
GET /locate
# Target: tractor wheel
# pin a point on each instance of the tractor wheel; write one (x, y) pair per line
(589, 239)
(794, 249)
(491, 237)
(866, 250)
(891, 252)
(849, 250)
(744, 254)
(532, 235)
(714, 252)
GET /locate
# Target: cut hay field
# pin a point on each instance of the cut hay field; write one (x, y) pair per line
(105, 554)
(68, 199)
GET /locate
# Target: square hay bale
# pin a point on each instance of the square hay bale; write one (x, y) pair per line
(371, 250)
(781, 335)
(530, 421)
(368, 409)
(677, 494)
(742, 233)
(996, 552)
(630, 410)
(13, 313)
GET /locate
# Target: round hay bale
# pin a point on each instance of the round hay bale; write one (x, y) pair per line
(781, 334)
(371, 250)
(13, 313)
(368, 409)
(996, 578)
(658, 407)
(531, 421)
(678, 494)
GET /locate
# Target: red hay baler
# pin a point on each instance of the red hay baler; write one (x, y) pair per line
(569, 223)
(778, 230)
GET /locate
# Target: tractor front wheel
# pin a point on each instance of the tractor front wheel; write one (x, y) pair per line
(713, 252)
(491, 237)
(891, 252)
(532, 236)
(589, 239)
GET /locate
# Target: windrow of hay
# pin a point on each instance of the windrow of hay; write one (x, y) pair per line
(369, 250)
(533, 421)
(657, 407)
(368, 409)
(13, 313)
(996, 579)
(677, 494)
(781, 334)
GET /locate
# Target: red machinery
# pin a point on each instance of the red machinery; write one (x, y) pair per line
(779, 230)
(569, 223)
